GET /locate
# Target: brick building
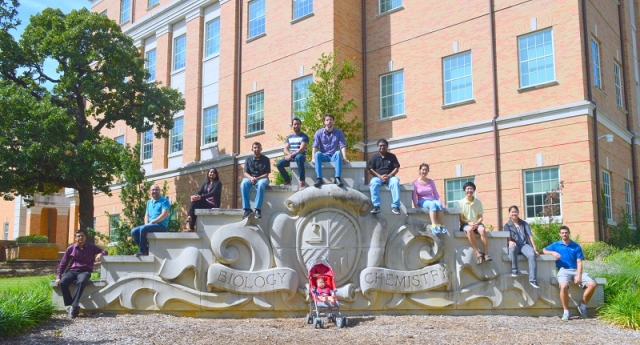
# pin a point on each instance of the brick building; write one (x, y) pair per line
(517, 96)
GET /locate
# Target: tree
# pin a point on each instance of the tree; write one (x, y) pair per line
(327, 96)
(51, 137)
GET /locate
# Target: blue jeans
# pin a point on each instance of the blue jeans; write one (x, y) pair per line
(245, 187)
(336, 158)
(394, 186)
(283, 163)
(139, 235)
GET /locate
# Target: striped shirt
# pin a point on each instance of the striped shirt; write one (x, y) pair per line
(295, 140)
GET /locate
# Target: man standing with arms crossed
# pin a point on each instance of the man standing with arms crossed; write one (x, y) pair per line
(295, 148)
(329, 145)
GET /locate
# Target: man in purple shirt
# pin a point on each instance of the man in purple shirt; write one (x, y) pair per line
(329, 145)
(81, 256)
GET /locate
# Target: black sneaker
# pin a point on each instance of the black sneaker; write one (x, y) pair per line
(70, 312)
(318, 183)
(338, 181)
(376, 209)
(247, 213)
(75, 312)
(258, 213)
(395, 210)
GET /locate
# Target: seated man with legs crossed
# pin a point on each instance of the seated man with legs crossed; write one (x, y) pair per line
(329, 145)
(156, 219)
(569, 258)
(383, 167)
(257, 168)
(295, 148)
(81, 255)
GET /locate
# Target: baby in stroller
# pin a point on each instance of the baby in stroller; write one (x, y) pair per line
(322, 291)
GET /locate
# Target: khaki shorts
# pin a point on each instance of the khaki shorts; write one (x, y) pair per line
(567, 276)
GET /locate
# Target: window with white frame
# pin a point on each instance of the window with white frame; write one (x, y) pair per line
(147, 145)
(606, 190)
(114, 223)
(300, 93)
(104, 13)
(119, 139)
(301, 8)
(125, 11)
(212, 38)
(176, 135)
(392, 94)
(542, 195)
(179, 52)
(618, 82)
(628, 203)
(457, 78)
(150, 64)
(255, 112)
(388, 5)
(453, 190)
(595, 60)
(210, 125)
(257, 18)
(6, 232)
(535, 55)
(152, 3)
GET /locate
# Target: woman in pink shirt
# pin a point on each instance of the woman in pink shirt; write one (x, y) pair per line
(425, 195)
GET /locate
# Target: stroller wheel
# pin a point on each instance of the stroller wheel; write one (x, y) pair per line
(309, 319)
(339, 322)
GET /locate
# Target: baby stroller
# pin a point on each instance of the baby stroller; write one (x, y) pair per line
(318, 305)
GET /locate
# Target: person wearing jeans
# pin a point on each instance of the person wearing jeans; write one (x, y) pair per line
(257, 168)
(383, 167)
(329, 145)
(156, 219)
(520, 241)
(295, 148)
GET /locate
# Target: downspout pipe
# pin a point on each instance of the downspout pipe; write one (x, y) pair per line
(587, 60)
(238, 103)
(625, 94)
(496, 113)
(365, 137)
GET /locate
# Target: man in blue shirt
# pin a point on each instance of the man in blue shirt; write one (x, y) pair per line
(295, 148)
(156, 219)
(329, 145)
(569, 258)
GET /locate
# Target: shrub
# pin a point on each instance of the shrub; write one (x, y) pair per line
(623, 235)
(545, 233)
(25, 307)
(32, 239)
(597, 250)
(622, 292)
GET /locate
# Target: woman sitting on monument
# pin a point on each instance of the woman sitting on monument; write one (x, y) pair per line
(425, 195)
(207, 197)
(520, 241)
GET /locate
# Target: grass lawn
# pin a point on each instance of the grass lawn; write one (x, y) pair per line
(9, 283)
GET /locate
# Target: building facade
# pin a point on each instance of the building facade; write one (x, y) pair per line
(536, 102)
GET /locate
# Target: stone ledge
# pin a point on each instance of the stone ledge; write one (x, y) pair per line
(490, 234)
(220, 212)
(129, 258)
(403, 188)
(96, 283)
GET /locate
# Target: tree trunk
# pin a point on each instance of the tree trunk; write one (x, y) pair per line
(86, 208)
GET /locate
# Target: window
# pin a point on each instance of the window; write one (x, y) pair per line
(453, 190)
(179, 52)
(114, 223)
(153, 3)
(104, 13)
(535, 55)
(301, 8)
(125, 11)
(256, 18)
(150, 62)
(388, 5)
(6, 232)
(119, 139)
(210, 125)
(300, 93)
(176, 135)
(618, 81)
(595, 58)
(541, 192)
(606, 190)
(392, 94)
(628, 204)
(147, 145)
(212, 38)
(458, 83)
(255, 112)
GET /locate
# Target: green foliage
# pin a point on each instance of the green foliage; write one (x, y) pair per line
(597, 250)
(50, 128)
(545, 233)
(277, 177)
(623, 234)
(175, 219)
(622, 292)
(32, 239)
(327, 96)
(24, 306)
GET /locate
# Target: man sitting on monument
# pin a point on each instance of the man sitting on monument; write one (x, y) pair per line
(295, 148)
(471, 221)
(156, 219)
(257, 168)
(329, 145)
(383, 167)
(81, 256)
